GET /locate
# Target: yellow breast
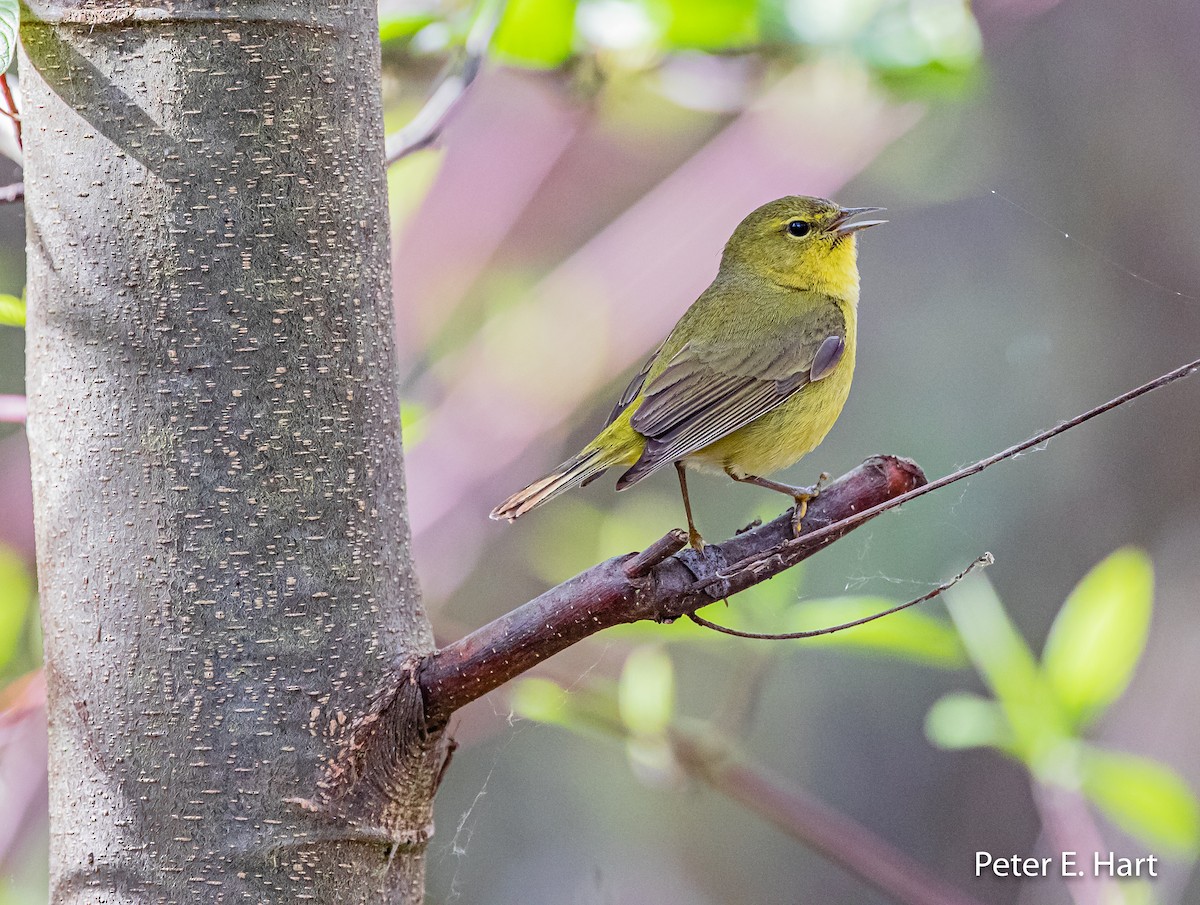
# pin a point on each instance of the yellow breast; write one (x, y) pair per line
(781, 437)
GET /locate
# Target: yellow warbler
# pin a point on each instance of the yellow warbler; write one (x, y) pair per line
(754, 374)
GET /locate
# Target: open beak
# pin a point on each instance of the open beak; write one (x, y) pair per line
(841, 225)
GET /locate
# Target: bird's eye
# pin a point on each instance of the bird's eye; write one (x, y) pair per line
(798, 228)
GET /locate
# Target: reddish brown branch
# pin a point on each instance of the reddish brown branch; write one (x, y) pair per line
(659, 586)
(662, 587)
(10, 105)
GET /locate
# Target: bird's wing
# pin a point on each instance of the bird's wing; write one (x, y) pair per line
(711, 389)
(635, 387)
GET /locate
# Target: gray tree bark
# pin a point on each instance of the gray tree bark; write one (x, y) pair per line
(223, 546)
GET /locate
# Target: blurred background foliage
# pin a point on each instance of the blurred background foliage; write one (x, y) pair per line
(1038, 717)
(1037, 160)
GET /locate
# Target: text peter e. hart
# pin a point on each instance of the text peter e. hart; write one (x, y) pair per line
(1068, 864)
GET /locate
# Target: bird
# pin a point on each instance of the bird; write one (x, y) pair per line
(753, 375)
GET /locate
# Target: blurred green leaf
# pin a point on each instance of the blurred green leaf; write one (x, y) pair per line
(918, 34)
(961, 720)
(10, 21)
(540, 700)
(650, 758)
(412, 422)
(908, 635)
(822, 23)
(933, 82)
(646, 691)
(538, 33)
(12, 311)
(591, 710)
(1009, 669)
(918, 48)
(1098, 635)
(1144, 798)
(566, 539)
(709, 24)
(16, 594)
(400, 26)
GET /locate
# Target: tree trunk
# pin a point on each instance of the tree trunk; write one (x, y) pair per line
(223, 546)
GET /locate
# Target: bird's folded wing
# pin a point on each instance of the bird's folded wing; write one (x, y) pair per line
(710, 390)
(634, 388)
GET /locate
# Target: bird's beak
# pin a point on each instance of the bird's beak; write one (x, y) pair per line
(841, 227)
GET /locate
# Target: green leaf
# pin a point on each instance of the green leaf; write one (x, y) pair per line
(959, 720)
(16, 594)
(1099, 634)
(710, 24)
(587, 711)
(401, 26)
(916, 35)
(1144, 798)
(539, 700)
(821, 23)
(12, 311)
(908, 635)
(538, 33)
(10, 22)
(1007, 665)
(413, 422)
(646, 691)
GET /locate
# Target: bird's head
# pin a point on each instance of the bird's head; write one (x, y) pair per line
(802, 243)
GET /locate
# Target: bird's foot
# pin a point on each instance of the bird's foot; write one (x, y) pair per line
(695, 541)
(803, 496)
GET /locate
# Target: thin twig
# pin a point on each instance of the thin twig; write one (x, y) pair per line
(811, 822)
(757, 560)
(666, 546)
(424, 128)
(981, 563)
(11, 105)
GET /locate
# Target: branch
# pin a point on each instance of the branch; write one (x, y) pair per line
(664, 583)
(759, 560)
(424, 128)
(812, 823)
(980, 562)
(661, 584)
(10, 107)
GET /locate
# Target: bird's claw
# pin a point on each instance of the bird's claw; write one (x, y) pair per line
(803, 496)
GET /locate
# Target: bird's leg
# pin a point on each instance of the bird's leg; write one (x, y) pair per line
(802, 495)
(695, 541)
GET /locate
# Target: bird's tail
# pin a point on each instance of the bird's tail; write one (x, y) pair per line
(580, 468)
